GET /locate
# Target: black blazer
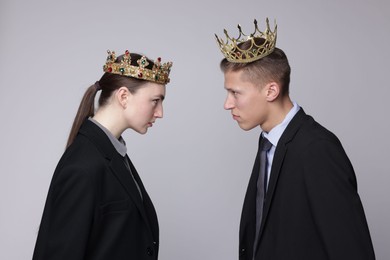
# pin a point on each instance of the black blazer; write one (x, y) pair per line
(94, 209)
(312, 209)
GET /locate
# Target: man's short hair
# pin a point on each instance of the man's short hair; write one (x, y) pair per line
(271, 68)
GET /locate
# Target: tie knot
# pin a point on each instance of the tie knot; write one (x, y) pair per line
(265, 145)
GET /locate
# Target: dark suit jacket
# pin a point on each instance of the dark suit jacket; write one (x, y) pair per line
(312, 209)
(94, 209)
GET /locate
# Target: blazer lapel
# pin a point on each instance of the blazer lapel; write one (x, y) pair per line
(117, 166)
(119, 169)
(277, 162)
(147, 203)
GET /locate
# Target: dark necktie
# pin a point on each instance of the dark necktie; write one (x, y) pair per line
(265, 145)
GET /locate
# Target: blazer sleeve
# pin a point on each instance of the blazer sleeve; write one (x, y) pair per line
(334, 202)
(67, 217)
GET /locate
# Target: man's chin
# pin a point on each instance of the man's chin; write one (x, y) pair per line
(246, 127)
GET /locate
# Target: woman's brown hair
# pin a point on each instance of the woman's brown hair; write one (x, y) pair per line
(107, 84)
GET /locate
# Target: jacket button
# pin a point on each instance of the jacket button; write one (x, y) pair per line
(149, 251)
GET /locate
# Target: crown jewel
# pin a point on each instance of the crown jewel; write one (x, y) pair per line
(231, 47)
(159, 73)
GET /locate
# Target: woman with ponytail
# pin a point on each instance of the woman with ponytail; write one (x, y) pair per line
(97, 207)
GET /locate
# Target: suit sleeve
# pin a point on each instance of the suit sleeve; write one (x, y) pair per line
(334, 202)
(67, 217)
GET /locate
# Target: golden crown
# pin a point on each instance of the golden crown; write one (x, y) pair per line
(231, 47)
(159, 72)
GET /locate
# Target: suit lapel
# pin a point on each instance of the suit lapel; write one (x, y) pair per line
(124, 176)
(147, 203)
(280, 152)
(277, 163)
(118, 168)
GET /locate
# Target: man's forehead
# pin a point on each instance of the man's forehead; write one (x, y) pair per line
(235, 81)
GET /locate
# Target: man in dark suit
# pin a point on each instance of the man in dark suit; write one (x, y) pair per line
(302, 201)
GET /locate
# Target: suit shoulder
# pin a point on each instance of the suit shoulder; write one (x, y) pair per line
(312, 131)
(81, 158)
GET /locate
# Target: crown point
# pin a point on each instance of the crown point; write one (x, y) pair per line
(239, 30)
(255, 51)
(124, 67)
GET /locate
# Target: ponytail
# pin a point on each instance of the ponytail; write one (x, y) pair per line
(86, 109)
(108, 83)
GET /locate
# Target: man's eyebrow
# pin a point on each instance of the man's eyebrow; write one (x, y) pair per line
(162, 97)
(231, 88)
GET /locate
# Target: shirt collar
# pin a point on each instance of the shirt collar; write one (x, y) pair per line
(274, 135)
(119, 144)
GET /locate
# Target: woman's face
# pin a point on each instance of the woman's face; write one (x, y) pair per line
(145, 106)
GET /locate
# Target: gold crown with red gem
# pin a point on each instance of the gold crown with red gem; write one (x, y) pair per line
(159, 72)
(233, 53)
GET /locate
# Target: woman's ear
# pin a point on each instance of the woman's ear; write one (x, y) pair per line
(272, 91)
(122, 95)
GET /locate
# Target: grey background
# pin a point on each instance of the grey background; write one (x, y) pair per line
(195, 162)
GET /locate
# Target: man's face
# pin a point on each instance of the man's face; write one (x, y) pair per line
(246, 101)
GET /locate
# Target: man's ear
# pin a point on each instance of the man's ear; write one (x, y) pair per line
(272, 91)
(122, 95)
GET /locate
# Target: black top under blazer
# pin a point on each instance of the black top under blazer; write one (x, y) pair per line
(312, 209)
(94, 209)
